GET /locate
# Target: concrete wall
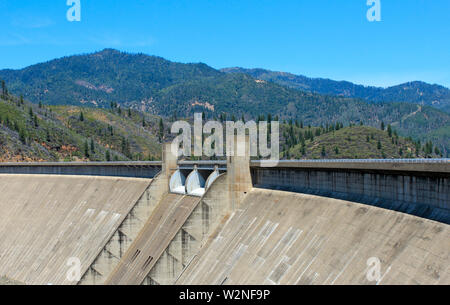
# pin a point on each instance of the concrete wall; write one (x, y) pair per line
(127, 232)
(424, 194)
(212, 209)
(278, 237)
(123, 237)
(45, 220)
(110, 169)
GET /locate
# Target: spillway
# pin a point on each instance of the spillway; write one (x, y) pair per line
(155, 237)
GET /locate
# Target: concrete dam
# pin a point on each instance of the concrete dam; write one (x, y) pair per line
(233, 221)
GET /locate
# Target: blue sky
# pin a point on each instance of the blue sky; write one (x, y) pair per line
(316, 38)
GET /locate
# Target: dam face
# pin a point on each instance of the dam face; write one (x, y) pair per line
(47, 220)
(227, 222)
(421, 193)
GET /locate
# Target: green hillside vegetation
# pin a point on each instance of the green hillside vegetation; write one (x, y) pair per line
(30, 132)
(351, 142)
(413, 92)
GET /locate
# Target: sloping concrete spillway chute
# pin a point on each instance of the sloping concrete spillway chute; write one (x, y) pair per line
(166, 220)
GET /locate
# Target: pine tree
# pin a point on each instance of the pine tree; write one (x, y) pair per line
(86, 149)
(437, 151)
(92, 146)
(22, 136)
(161, 129)
(108, 155)
(81, 116)
(382, 125)
(389, 130)
(4, 90)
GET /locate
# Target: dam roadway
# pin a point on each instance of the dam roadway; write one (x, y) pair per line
(301, 222)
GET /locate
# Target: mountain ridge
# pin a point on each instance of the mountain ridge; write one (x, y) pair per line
(434, 95)
(161, 87)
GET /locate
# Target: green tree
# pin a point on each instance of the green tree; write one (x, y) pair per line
(86, 149)
(161, 129)
(35, 121)
(92, 146)
(379, 144)
(437, 151)
(389, 130)
(382, 125)
(108, 155)
(22, 136)
(81, 116)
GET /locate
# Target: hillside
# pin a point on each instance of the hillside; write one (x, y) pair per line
(159, 87)
(96, 79)
(353, 142)
(413, 92)
(31, 132)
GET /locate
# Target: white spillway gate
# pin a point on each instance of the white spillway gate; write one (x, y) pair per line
(177, 183)
(196, 183)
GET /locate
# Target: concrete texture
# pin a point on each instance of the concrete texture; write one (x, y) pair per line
(160, 229)
(422, 194)
(123, 237)
(395, 165)
(135, 169)
(278, 237)
(127, 232)
(193, 234)
(46, 220)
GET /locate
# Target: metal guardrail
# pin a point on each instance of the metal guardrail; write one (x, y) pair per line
(113, 163)
(422, 161)
(224, 162)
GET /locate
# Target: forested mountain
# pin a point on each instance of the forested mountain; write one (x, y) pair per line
(96, 79)
(413, 92)
(30, 132)
(159, 87)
